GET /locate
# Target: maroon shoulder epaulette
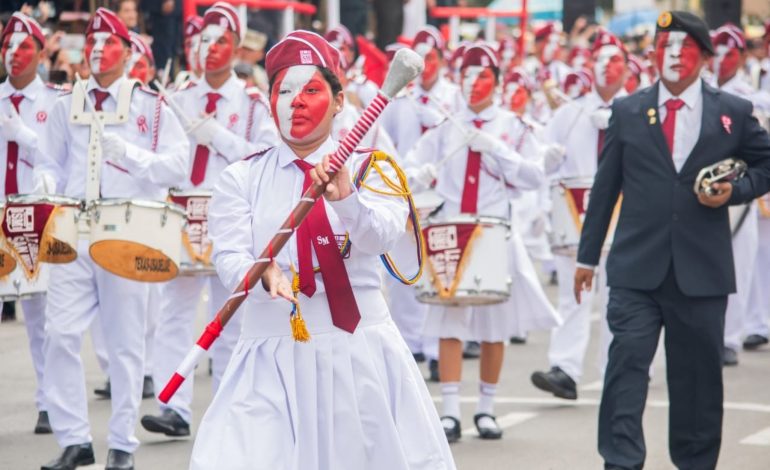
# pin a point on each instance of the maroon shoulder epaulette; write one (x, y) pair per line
(258, 153)
(148, 90)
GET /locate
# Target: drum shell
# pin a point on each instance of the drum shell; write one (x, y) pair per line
(61, 230)
(188, 265)
(16, 286)
(564, 236)
(426, 202)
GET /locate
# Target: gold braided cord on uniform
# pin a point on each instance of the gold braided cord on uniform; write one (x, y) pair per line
(298, 327)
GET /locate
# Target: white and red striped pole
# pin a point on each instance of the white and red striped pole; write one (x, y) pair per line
(405, 67)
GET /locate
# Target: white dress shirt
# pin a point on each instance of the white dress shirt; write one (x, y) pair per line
(254, 197)
(688, 119)
(147, 168)
(34, 110)
(739, 85)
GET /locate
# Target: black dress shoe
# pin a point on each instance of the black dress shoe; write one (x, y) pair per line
(433, 371)
(557, 382)
(169, 423)
(472, 350)
(148, 387)
(43, 426)
(487, 432)
(451, 428)
(729, 357)
(418, 357)
(104, 392)
(72, 457)
(119, 460)
(753, 342)
(9, 312)
(518, 340)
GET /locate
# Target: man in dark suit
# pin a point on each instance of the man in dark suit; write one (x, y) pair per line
(671, 261)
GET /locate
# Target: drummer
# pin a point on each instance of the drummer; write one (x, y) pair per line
(236, 124)
(192, 40)
(140, 156)
(576, 134)
(141, 66)
(25, 102)
(476, 179)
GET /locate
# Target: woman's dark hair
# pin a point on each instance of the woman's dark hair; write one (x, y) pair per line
(329, 76)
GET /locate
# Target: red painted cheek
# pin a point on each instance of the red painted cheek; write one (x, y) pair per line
(632, 84)
(431, 67)
(729, 64)
(519, 99)
(305, 119)
(140, 71)
(690, 57)
(482, 89)
(219, 56)
(111, 57)
(614, 72)
(660, 50)
(22, 57)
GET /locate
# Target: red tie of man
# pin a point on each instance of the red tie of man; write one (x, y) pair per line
(469, 202)
(202, 151)
(11, 182)
(424, 101)
(669, 124)
(339, 293)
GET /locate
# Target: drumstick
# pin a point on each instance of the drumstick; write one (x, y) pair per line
(172, 104)
(405, 66)
(166, 72)
(90, 104)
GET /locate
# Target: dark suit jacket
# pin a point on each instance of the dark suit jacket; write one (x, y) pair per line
(661, 221)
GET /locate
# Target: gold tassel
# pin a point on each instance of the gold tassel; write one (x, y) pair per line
(298, 327)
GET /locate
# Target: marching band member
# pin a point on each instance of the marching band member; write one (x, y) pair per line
(576, 134)
(671, 264)
(192, 40)
(236, 124)
(141, 66)
(140, 155)
(351, 397)
(756, 328)
(26, 102)
(473, 185)
(548, 51)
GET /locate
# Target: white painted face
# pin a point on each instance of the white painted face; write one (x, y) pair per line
(192, 54)
(606, 53)
(292, 85)
(672, 56)
(472, 72)
(135, 56)
(100, 39)
(508, 93)
(13, 44)
(719, 55)
(551, 47)
(210, 35)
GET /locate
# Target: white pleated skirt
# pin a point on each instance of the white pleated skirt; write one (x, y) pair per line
(527, 309)
(338, 402)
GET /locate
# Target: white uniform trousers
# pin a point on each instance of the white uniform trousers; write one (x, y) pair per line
(409, 316)
(759, 295)
(100, 347)
(174, 336)
(34, 321)
(744, 255)
(81, 291)
(570, 340)
(154, 305)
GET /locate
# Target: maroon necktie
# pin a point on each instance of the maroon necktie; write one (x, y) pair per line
(669, 124)
(99, 97)
(11, 182)
(470, 199)
(316, 228)
(202, 151)
(424, 101)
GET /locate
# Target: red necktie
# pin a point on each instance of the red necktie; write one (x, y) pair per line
(424, 101)
(469, 202)
(99, 97)
(11, 182)
(669, 124)
(201, 151)
(339, 293)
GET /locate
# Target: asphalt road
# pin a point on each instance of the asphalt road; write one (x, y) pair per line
(541, 432)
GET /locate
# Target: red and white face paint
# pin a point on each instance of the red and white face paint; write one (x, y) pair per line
(726, 62)
(139, 67)
(551, 48)
(18, 52)
(609, 66)
(478, 84)
(104, 52)
(300, 101)
(216, 48)
(515, 96)
(191, 49)
(432, 63)
(676, 55)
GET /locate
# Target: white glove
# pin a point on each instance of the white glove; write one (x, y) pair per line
(429, 116)
(484, 142)
(203, 131)
(12, 128)
(601, 118)
(539, 224)
(44, 184)
(113, 147)
(426, 175)
(554, 156)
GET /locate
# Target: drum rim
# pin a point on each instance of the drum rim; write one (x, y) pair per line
(146, 203)
(176, 192)
(586, 180)
(49, 198)
(466, 218)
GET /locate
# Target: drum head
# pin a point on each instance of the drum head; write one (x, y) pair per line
(7, 263)
(133, 261)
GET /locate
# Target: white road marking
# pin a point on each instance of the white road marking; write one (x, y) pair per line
(761, 438)
(505, 421)
(593, 386)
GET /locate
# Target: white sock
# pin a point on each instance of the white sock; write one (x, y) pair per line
(486, 398)
(450, 399)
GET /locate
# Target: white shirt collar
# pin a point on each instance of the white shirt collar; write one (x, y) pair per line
(286, 155)
(486, 114)
(228, 90)
(594, 99)
(30, 91)
(113, 89)
(690, 95)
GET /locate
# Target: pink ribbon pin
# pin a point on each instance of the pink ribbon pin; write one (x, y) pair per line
(727, 123)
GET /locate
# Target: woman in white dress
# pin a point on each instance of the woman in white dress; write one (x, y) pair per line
(351, 397)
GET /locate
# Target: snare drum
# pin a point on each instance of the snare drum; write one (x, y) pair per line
(426, 202)
(569, 198)
(16, 285)
(467, 262)
(136, 239)
(196, 246)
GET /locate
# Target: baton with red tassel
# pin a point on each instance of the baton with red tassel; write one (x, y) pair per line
(405, 67)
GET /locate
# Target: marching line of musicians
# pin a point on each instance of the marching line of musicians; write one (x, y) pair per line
(499, 150)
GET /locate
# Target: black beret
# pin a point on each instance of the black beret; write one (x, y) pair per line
(690, 24)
